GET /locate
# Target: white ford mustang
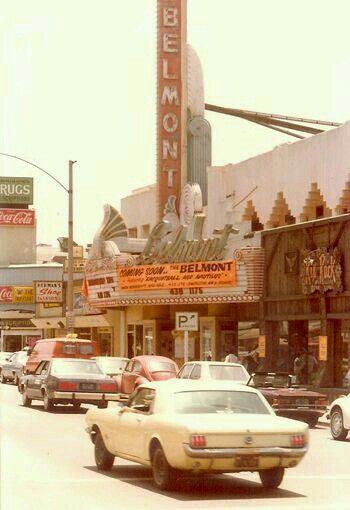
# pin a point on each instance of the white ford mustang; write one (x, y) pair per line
(180, 426)
(339, 414)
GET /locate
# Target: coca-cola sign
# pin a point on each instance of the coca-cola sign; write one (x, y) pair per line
(17, 217)
(5, 293)
(48, 292)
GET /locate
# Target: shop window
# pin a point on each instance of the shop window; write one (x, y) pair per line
(248, 342)
(207, 336)
(149, 339)
(345, 357)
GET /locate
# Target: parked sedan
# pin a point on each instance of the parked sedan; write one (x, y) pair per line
(198, 427)
(68, 381)
(111, 365)
(289, 400)
(216, 370)
(4, 357)
(339, 413)
(13, 369)
(141, 369)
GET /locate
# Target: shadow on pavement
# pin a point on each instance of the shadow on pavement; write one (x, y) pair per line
(198, 488)
(59, 409)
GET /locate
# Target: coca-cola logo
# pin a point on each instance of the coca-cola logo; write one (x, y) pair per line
(22, 217)
(6, 294)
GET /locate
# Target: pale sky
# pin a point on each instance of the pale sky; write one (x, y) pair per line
(78, 81)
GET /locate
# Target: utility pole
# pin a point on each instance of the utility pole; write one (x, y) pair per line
(70, 284)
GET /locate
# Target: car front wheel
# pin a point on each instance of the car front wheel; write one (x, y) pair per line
(3, 378)
(338, 431)
(163, 474)
(271, 478)
(103, 458)
(48, 403)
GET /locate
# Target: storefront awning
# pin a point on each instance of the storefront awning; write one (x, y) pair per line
(81, 321)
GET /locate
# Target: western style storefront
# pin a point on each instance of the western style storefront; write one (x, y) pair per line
(224, 293)
(306, 302)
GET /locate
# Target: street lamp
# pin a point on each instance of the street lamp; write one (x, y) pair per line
(69, 190)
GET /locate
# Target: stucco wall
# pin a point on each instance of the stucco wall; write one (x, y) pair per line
(290, 168)
(139, 208)
(17, 245)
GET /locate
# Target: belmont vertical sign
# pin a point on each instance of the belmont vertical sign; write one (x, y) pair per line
(171, 29)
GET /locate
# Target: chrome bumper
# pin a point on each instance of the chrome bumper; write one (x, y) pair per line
(67, 395)
(224, 453)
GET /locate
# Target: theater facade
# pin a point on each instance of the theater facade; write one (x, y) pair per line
(149, 280)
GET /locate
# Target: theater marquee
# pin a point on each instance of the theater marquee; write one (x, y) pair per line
(175, 276)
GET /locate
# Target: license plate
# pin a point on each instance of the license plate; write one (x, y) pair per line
(87, 386)
(302, 402)
(247, 461)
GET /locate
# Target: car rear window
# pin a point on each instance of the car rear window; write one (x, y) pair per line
(69, 348)
(73, 367)
(227, 373)
(161, 366)
(76, 347)
(219, 402)
(85, 348)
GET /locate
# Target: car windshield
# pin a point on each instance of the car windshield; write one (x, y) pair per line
(161, 366)
(112, 364)
(72, 367)
(212, 401)
(4, 355)
(228, 372)
(274, 380)
(22, 357)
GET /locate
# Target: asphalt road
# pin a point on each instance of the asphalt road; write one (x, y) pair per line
(47, 461)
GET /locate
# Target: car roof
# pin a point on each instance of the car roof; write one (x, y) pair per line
(110, 357)
(209, 363)
(72, 359)
(152, 357)
(175, 385)
(63, 339)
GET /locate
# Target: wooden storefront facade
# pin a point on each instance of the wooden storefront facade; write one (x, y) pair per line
(306, 299)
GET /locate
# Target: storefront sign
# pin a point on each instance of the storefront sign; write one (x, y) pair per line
(182, 249)
(6, 294)
(16, 190)
(22, 294)
(321, 270)
(322, 348)
(262, 346)
(78, 265)
(170, 24)
(17, 218)
(16, 323)
(171, 276)
(48, 292)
